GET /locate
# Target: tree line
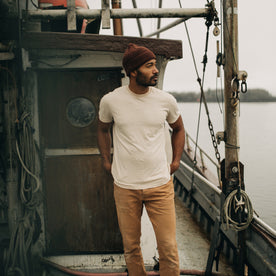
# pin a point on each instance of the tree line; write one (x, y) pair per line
(211, 95)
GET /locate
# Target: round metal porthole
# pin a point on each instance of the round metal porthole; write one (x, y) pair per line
(80, 112)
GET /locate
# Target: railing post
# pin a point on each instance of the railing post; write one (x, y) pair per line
(105, 14)
(71, 16)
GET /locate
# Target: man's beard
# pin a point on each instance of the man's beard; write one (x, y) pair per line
(142, 80)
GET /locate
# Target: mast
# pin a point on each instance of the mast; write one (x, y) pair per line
(232, 176)
(230, 15)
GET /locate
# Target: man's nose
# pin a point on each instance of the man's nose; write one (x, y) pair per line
(155, 70)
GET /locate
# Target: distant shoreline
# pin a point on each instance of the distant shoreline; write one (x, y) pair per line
(211, 95)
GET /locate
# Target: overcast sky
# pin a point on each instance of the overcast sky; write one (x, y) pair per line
(257, 43)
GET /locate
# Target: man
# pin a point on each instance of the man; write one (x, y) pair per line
(140, 167)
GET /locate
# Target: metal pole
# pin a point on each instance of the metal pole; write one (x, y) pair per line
(117, 23)
(120, 13)
(169, 26)
(138, 20)
(159, 19)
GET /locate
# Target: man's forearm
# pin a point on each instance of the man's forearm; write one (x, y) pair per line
(178, 141)
(104, 144)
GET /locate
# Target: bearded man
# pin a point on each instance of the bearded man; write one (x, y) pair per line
(140, 166)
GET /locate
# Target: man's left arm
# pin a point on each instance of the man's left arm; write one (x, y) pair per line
(178, 141)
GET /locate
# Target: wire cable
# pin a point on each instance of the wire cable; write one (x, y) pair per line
(202, 94)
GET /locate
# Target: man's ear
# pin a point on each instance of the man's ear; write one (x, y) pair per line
(133, 73)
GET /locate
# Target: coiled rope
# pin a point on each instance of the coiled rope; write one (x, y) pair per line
(24, 235)
(237, 210)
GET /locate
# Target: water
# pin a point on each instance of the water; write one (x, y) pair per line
(257, 148)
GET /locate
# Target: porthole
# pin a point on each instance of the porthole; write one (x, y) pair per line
(80, 112)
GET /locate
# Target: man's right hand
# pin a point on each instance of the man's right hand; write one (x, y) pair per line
(107, 166)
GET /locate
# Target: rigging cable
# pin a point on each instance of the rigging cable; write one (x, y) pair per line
(202, 95)
(219, 61)
(200, 104)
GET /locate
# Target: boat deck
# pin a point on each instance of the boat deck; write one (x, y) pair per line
(193, 246)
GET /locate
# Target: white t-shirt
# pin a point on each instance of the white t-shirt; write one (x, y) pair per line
(139, 158)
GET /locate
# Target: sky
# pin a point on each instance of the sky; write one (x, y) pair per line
(257, 43)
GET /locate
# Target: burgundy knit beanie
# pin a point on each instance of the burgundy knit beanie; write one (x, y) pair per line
(135, 56)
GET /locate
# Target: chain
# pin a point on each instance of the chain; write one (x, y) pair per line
(214, 140)
(210, 125)
(212, 17)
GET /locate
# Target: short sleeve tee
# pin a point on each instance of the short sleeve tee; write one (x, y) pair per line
(139, 157)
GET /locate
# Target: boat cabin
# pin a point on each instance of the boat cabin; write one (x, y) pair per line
(65, 77)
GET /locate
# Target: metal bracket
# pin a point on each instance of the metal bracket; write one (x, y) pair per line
(105, 14)
(220, 136)
(71, 16)
(242, 75)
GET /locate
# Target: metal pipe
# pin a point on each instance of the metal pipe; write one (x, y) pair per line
(169, 26)
(117, 22)
(137, 19)
(159, 19)
(120, 13)
(159, 13)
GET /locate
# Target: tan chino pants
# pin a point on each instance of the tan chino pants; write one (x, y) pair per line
(159, 203)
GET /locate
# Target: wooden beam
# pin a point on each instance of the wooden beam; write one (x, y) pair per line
(171, 49)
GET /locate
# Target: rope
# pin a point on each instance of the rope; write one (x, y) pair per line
(28, 187)
(17, 258)
(239, 205)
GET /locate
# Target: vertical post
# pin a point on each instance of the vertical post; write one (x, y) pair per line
(230, 15)
(117, 22)
(231, 94)
(105, 14)
(71, 16)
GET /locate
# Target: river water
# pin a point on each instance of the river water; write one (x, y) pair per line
(257, 129)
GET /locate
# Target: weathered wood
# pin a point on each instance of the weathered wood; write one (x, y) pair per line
(71, 16)
(80, 213)
(91, 42)
(105, 14)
